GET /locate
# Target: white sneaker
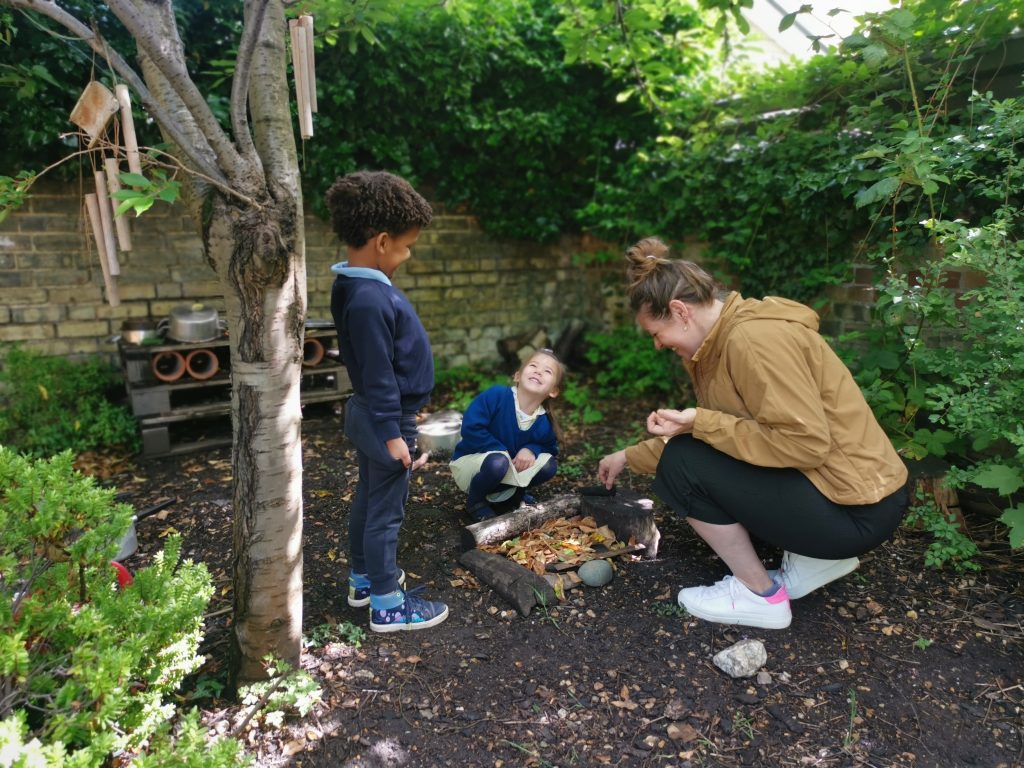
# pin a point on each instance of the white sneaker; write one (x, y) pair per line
(802, 575)
(730, 602)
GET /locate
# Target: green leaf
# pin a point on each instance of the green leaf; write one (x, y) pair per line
(1003, 479)
(135, 180)
(787, 21)
(1014, 519)
(877, 192)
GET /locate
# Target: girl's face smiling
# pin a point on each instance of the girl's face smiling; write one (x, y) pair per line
(539, 376)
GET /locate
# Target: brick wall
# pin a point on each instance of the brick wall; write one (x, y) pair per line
(470, 289)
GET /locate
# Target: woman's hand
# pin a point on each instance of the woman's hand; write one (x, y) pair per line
(524, 459)
(610, 467)
(666, 422)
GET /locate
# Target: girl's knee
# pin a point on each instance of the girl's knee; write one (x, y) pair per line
(495, 464)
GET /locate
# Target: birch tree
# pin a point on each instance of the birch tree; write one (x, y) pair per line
(243, 187)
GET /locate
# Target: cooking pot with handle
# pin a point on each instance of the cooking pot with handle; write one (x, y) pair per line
(192, 323)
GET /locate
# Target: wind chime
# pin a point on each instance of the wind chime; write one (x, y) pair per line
(93, 112)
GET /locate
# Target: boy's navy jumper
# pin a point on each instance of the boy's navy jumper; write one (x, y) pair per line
(387, 353)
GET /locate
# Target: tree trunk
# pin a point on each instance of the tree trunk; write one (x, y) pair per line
(265, 319)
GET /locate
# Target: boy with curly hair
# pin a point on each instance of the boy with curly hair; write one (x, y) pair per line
(378, 216)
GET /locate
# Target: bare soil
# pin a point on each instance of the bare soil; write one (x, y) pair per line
(895, 665)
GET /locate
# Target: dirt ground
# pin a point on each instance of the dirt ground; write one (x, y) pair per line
(895, 665)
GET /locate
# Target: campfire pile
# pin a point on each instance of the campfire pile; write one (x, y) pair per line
(561, 544)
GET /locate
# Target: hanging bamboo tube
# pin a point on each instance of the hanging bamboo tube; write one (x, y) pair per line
(299, 63)
(306, 22)
(131, 145)
(107, 222)
(92, 206)
(124, 235)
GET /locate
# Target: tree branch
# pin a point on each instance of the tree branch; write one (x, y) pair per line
(51, 10)
(171, 65)
(255, 14)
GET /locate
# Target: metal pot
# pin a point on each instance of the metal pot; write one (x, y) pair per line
(140, 332)
(439, 433)
(191, 323)
(130, 542)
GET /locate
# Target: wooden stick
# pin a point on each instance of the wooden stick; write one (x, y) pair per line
(124, 233)
(511, 524)
(93, 208)
(306, 22)
(131, 145)
(107, 222)
(298, 35)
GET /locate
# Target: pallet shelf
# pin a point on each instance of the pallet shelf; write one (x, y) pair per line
(167, 412)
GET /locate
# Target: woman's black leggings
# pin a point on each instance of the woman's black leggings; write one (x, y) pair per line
(779, 506)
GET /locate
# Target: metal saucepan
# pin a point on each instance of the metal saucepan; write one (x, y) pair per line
(439, 433)
(130, 542)
(141, 332)
(192, 323)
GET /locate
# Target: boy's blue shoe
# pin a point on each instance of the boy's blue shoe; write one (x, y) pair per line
(411, 613)
(359, 588)
(528, 499)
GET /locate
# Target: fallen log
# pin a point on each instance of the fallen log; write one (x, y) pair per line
(522, 588)
(511, 524)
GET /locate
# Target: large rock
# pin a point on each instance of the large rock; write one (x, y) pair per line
(742, 659)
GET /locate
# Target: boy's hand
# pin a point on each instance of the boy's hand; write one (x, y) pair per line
(422, 459)
(399, 450)
(524, 459)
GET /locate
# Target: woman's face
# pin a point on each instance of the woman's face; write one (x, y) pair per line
(675, 331)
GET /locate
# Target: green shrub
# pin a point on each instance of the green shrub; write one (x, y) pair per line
(455, 388)
(87, 669)
(52, 404)
(626, 364)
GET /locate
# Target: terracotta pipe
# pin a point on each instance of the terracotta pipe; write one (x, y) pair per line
(312, 352)
(168, 365)
(201, 364)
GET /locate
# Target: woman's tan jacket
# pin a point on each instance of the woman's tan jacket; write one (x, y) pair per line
(771, 392)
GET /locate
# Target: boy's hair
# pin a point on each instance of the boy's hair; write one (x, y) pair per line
(366, 203)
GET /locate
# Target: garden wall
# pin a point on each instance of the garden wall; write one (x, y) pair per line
(469, 289)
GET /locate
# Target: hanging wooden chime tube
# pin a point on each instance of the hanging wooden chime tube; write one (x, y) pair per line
(299, 67)
(107, 223)
(306, 22)
(124, 236)
(93, 208)
(131, 145)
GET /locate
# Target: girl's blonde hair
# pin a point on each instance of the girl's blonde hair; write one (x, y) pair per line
(655, 279)
(560, 373)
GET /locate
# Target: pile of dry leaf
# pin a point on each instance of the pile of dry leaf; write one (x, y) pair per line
(563, 543)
